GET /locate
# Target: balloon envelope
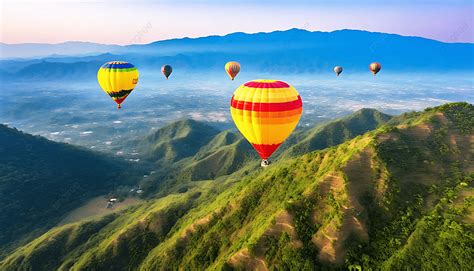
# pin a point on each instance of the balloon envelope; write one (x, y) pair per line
(166, 70)
(232, 68)
(266, 112)
(375, 67)
(118, 79)
(338, 70)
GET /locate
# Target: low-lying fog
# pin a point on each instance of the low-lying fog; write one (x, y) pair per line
(81, 113)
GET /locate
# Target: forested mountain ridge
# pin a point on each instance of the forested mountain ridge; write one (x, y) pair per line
(372, 201)
(189, 150)
(176, 141)
(335, 132)
(41, 180)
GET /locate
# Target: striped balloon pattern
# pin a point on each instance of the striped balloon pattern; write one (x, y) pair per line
(118, 79)
(375, 67)
(266, 112)
(232, 68)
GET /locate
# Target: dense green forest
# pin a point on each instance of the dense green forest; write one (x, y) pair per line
(41, 180)
(366, 191)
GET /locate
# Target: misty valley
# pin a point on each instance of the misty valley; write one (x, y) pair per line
(78, 112)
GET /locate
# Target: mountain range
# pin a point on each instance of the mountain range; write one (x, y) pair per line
(368, 190)
(290, 51)
(38, 50)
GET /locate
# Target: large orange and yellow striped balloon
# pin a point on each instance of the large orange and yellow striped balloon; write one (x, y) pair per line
(118, 79)
(266, 112)
(232, 68)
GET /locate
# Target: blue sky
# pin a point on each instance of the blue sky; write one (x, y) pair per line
(143, 21)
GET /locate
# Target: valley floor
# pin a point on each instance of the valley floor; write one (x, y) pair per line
(96, 208)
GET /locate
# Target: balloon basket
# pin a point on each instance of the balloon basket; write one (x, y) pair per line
(265, 163)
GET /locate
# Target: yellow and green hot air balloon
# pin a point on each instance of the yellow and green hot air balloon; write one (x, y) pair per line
(266, 112)
(118, 79)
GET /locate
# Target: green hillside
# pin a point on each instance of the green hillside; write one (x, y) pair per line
(227, 151)
(176, 141)
(335, 132)
(41, 180)
(395, 198)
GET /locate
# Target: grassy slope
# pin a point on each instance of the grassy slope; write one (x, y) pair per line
(362, 202)
(335, 132)
(41, 180)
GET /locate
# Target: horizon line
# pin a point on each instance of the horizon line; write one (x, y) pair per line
(232, 33)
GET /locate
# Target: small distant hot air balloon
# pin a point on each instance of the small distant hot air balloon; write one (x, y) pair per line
(375, 67)
(266, 112)
(232, 68)
(338, 70)
(118, 79)
(166, 70)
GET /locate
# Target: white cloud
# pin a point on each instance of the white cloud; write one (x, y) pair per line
(211, 116)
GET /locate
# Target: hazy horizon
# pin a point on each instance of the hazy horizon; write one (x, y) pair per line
(226, 34)
(141, 22)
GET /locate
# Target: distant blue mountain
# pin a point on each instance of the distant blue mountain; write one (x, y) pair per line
(293, 50)
(45, 70)
(30, 50)
(298, 50)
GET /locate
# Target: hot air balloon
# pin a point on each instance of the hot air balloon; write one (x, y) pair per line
(232, 68)
(375, 67)
(266, 112)
(166, 70)
(118, 79)
(338, 70)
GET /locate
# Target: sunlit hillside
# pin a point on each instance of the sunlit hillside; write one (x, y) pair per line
(379, 200)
